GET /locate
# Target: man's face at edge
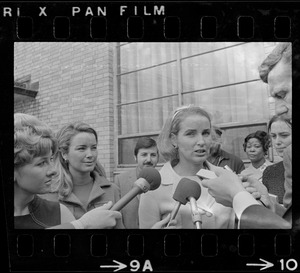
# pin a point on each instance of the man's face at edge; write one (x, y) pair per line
(280, 86)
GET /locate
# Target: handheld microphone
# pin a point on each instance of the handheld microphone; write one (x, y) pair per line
(149, 179)
(196, 216)
(186, 190)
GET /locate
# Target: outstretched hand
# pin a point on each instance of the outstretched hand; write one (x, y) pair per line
(100, 217)
(224, 187)
(164, 223)
(258, 190)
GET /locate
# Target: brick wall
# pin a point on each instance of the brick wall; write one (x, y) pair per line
(75, 83)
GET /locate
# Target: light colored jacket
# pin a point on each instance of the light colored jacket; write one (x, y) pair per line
(156, 205)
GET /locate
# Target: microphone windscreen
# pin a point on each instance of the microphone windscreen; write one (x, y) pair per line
(186, 188)
(152, 176)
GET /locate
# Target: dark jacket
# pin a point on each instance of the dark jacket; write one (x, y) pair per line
(224, 158)
(42, 214)
(273, 179)
(259, 217)
(125, 182)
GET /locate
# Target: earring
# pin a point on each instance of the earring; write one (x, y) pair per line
(66, 161)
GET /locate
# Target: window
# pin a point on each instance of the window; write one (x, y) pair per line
(155, 78)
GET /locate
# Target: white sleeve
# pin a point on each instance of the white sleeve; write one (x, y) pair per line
(66, 215)
(241, 201)
(77, 224)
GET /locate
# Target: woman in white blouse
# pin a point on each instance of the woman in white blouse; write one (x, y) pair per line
(185, 143)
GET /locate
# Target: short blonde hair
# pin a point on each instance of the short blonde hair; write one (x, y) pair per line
(32, 138)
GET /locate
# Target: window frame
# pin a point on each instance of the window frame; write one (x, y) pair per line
(117, 74)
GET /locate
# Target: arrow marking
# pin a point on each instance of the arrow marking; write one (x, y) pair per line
(265, 265)
(118, 267)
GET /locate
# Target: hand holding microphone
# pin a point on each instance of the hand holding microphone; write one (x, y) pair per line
(166, 221)
(187, 190)
(149, 180)
(98, 218)
(224, 187)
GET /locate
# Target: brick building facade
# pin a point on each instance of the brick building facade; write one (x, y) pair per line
(75, 83)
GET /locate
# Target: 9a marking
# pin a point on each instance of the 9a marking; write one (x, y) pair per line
(135, 266)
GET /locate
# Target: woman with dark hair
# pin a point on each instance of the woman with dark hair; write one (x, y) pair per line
(280, 131)
(256, 147)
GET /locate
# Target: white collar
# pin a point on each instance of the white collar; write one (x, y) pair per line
(171, 176)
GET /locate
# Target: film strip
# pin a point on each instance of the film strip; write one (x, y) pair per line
(131, 250)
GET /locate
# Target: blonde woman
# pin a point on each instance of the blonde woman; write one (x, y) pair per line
(184, 142)
(34, 147)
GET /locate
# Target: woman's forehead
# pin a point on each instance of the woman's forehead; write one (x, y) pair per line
(83, 137)
(280, 124)
(194, 120)
(253, 140)
(45, 154)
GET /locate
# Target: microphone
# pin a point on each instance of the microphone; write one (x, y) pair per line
(187, 190)
(149, 179)
(196, 216)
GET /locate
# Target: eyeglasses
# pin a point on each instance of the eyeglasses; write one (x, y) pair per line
(180, 109)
